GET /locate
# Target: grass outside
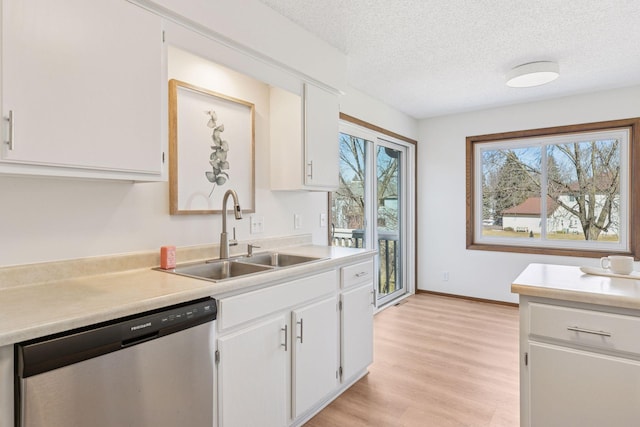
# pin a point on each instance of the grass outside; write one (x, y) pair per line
(493, 232)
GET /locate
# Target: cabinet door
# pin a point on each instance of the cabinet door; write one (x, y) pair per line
(322, 159)
(357, 330)
(252, 373)
(576, 388)
(315, 358)
(83, 81)
(286, 139)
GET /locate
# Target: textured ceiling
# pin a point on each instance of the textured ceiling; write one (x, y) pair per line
(432, 57)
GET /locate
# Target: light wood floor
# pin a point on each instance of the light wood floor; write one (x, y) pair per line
(438, 362)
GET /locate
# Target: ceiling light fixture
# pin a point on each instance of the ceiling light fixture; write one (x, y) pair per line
(533, 74)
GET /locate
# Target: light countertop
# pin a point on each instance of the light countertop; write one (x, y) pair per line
(568, 283)
(32, 311)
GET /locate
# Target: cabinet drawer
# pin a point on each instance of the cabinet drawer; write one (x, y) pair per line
(596, 329)
(357, 274)
(242, 308)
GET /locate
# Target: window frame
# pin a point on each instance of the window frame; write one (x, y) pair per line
(633, 200)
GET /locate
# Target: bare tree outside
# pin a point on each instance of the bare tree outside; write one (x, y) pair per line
(349, 204)
(582, 187)
(590, 173)
(347, 210)
(387, 170)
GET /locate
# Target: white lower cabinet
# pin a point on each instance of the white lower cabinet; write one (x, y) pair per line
(357, 301)
(579, 388)
(315, 352)
(273, 371)
(580, 365)
(252, 375)
(281, 348)
(357, 330)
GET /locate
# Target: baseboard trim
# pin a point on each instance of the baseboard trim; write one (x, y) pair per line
(490, 301)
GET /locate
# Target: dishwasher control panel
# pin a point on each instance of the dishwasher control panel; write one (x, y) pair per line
(58, 350)
(163, 322)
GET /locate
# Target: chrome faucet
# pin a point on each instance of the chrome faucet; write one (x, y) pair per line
(224, 239)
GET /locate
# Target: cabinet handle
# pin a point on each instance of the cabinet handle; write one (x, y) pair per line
(285, 345)
(589, 331)
(301, 330)
(11, 120)
(310, 168)
(361, 274)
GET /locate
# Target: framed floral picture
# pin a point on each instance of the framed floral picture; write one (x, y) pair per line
(211, 150)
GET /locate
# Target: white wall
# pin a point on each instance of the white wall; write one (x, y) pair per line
(364, 107)
(53, 219)
(45, 219)
(441, 185)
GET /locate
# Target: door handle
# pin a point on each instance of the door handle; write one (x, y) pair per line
(301, 323)
(589, 331)
(285, 345)
(11, 120)
(310, 168)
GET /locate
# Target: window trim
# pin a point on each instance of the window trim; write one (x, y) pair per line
(633, 235)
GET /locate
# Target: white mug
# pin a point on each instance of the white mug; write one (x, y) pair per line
(617, 264)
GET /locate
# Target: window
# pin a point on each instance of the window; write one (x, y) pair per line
(564, 191)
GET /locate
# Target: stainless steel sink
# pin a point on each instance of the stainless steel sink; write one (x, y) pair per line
(219, 270)
(275, 259)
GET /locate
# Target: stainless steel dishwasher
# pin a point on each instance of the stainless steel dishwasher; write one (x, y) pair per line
(150, 370)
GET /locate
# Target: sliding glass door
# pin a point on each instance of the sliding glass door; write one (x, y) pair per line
(389, 158)
(370, 207)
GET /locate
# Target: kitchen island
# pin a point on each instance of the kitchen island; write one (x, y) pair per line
(337, 279)
(579, 347)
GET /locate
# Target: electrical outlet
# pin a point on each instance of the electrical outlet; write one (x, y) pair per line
(323, 220)
(445, 276)
(257, 224)
(297, 222)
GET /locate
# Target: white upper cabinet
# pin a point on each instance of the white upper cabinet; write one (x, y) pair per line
(321, 112)
(83, 90)
(304, 139)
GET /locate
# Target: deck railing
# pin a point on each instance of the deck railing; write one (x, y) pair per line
(389, 252)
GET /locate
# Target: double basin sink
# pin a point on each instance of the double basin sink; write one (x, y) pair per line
(222, 269)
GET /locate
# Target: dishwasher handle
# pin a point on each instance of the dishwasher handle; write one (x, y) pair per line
(139, 340)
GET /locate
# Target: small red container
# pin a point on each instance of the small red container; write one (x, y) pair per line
(168, 257)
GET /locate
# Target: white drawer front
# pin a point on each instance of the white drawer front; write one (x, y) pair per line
(357, 274)
(585, 327)
(253, 305)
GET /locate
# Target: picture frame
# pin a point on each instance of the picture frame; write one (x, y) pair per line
(211, 150)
